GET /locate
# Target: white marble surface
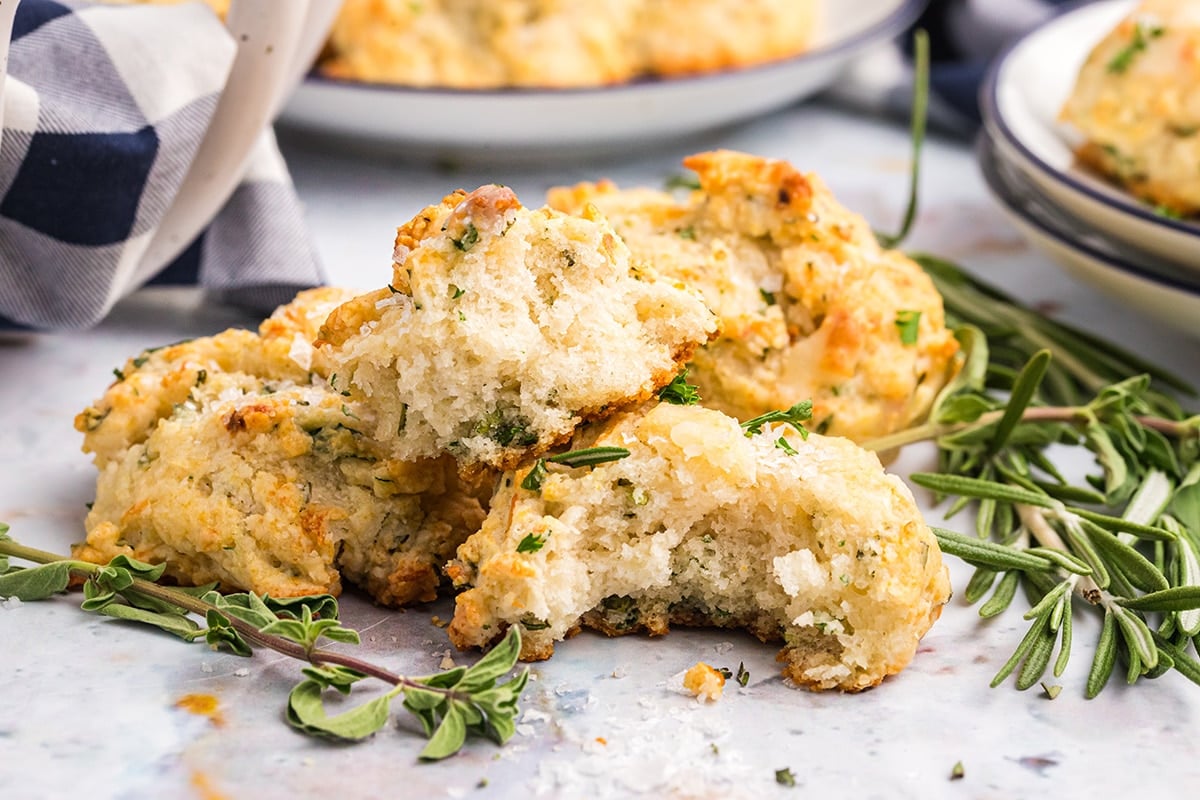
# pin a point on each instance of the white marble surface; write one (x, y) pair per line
(89, 703)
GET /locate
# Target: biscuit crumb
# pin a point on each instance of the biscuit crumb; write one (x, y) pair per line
(704, 682)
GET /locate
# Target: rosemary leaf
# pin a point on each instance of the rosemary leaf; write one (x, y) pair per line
(1105, 657)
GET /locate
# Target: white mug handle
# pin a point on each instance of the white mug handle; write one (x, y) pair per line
(8, 12)
(268, 34)
(317, 23)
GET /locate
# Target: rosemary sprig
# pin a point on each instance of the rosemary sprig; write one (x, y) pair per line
(450, 705)
(1127, 541)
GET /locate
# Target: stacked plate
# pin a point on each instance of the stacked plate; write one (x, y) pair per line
(1099, 232)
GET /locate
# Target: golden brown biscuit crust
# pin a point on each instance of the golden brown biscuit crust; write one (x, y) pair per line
(810, 306)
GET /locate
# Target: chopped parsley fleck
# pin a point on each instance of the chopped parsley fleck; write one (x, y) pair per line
(909, 325)
(1142, 34)
(783, 444)
(469, 238)
(743, 675)
(532, 623)
(679, 392)
(505, 432)
(536, 476)
(784, 777)
(1167, 211)
(768, 297)
(531, 544)
(456, 292)
(118, 374)
(681, 181)
(688, 233)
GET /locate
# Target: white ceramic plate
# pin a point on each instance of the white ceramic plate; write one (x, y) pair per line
(1020, 101)
(594, 120)
(1139, 280)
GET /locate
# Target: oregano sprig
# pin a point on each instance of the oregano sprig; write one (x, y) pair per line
(450, 705)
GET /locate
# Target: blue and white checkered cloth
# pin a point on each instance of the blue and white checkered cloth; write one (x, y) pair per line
(103, 110)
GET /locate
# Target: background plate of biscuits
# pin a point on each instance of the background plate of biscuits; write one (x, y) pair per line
(486, 100)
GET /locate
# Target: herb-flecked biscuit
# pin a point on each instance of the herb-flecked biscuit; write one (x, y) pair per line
(230, 459)
(1136, 101)
(811, 307)
(804, 541)
(494, 43)
(150, 385)
(504, 328)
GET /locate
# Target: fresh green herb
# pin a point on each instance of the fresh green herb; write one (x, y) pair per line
(768, 297)
(909, 325)
(784, 777)
(679, 391)
(588, 457)
(504, 431)
(469, 238)
(1167, 212)
(449, 705)
(688, 233)
(918, 114)
(1127, 543)
(689, 181)
(801, 412)
(456, 292)
(118, 374)
(783, 444)
(531, 543)
(743, 675)
(725, 672)
(536, 476)
(1142, 34)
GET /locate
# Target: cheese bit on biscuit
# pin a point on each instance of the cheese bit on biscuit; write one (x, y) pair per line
(705, 523)
(503, 328)
(810, 305)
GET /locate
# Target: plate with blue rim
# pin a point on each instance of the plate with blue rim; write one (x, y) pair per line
(1138, 279)
(1020, 101)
